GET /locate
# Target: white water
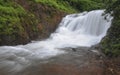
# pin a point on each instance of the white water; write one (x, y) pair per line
(85, 29)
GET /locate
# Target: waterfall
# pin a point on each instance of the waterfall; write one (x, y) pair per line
(84, 29)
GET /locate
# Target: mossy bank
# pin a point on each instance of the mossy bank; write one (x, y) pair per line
(111, 43)
(22, 21)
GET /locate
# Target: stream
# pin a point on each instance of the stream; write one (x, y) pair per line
(68, 46)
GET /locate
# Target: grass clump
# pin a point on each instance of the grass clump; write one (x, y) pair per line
(85, 5)
(58, 4)
(72, 6)
(14, 19)
(10, 17)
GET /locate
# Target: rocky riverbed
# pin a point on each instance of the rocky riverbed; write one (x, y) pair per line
(76, 61)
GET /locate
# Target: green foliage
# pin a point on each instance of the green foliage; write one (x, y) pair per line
(58, 4)
(71, 6)
(9, 18)
(111, 44)
(14, 19)
(86, 5)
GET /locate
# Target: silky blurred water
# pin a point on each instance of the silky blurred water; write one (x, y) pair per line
(84, 29)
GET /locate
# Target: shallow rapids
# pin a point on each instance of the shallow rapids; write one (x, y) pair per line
(84, 29)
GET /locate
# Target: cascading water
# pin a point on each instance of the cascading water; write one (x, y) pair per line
(85, 29)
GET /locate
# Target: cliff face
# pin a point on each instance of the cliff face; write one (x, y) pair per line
(31, 21)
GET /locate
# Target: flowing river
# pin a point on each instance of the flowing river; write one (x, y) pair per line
(75, 30)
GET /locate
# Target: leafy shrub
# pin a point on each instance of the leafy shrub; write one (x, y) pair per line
(111, 44)
(13, 19)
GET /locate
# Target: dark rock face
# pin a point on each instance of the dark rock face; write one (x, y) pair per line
(9, 40)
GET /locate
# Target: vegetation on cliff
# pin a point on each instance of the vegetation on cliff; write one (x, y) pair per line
(111, 43)
(14, 21)
(22, 21)
(86, 5)
(73, 5)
